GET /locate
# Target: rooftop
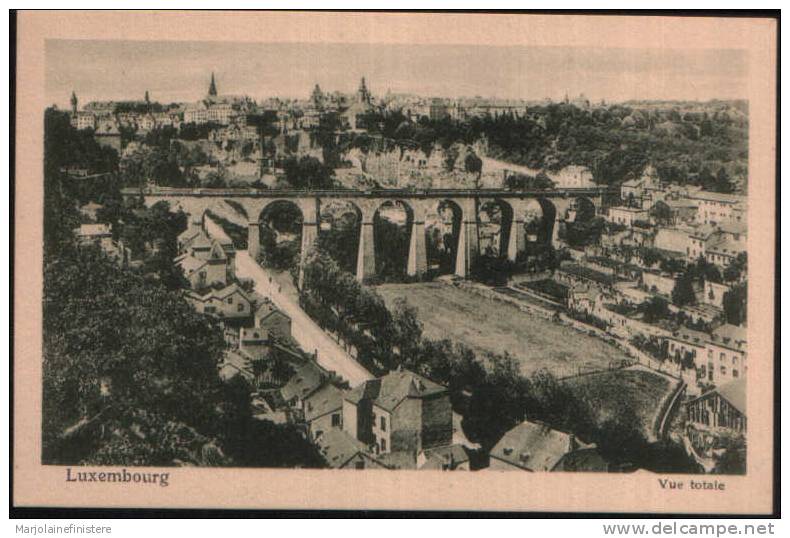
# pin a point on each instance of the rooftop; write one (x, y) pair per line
(732, 336)
(534, 446)
(337, 447)
(91, 230)
(718, 197)
(325, 400)
(734, 392)
(307, 379)
(390, 390)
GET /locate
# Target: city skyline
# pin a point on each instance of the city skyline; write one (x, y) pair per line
(180, 71)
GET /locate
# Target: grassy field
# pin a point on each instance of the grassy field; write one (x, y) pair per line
(643, 390)
(489, 326)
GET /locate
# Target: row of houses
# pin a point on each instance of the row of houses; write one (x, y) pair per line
(398, 421)
(256, 331)
(405, 421)
(685, 202)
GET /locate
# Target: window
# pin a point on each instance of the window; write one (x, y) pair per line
(230, 300)
(359, 465)
(240, 307)
(383, 445)
(383, 423)
(335, 420)
(734, 372)
(723, 370)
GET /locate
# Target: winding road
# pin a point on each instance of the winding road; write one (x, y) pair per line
(305, 331)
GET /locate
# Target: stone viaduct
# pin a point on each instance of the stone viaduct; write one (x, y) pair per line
(555, 205)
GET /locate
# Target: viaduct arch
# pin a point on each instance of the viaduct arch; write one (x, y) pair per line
(556, 205)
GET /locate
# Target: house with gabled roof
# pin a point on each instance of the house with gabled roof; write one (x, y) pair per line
(401, 411)
(272, 319)
(225, 302)
(342, 451)
(323, 410)
(444, 458)
(305, 381)
(534, 447)
(722, 408)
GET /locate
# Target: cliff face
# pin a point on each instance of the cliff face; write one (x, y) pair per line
(406, 167)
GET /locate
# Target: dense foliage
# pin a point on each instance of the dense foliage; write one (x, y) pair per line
(120, 347)
(130, 369)
(707, 146)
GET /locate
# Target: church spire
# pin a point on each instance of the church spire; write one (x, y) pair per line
(212, 89)
(73, 102)
(363, 94)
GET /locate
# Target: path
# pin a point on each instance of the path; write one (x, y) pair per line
(495, 165)
(305, 331)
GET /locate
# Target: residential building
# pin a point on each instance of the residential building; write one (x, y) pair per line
(627, 215)
(201, 270)
(323, 410)
(726, 354)
(534, 447)
(686, 342)
(273, 320)
(83, 120)
(227, 302)
(308, 378)
(90, 210)
(108, 134)
(722, 248)
(698, 239)
(444, 458)
(720, 409)
(341, 451)
(673, 240)
(399, 412)
(641, 192)
(718, 208)
(438, 110)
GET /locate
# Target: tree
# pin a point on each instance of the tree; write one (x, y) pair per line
(126, 354)
(732, 461)
(722, 183)
(308, 173)
(260, 443)
(473, 164)
(683, 292)
(736, 269)
(620, 438)
(734, 303)
(654, 309)
(406, 328)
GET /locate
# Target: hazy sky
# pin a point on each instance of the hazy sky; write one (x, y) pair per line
(180, 71)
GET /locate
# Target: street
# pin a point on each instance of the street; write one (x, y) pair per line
(305, 331)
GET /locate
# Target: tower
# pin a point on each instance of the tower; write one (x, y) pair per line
(212, 88)
(147, 100)
(73, 103)
(363, 94)
(317, 96)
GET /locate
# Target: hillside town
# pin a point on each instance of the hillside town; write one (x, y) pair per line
(654, 271)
